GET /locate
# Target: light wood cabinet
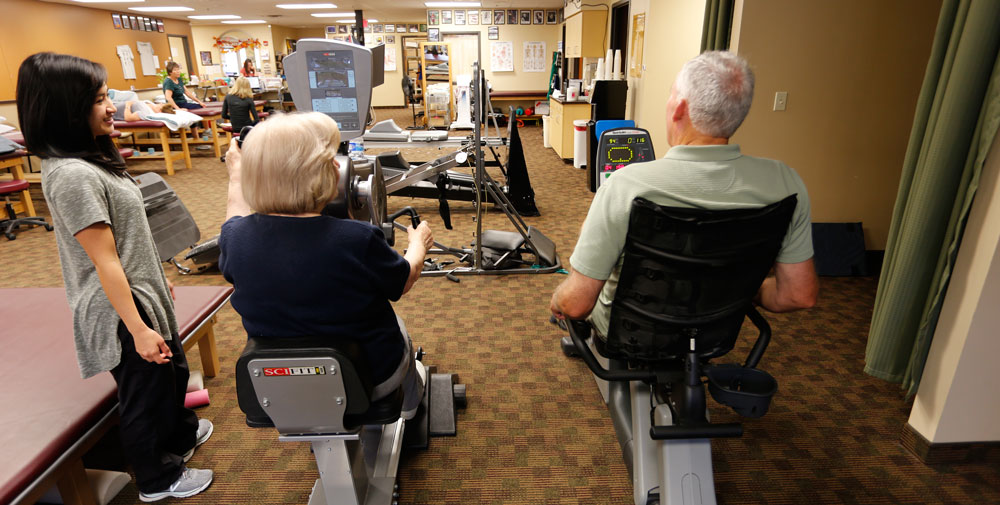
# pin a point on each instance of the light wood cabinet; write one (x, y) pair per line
(561, 117)
(585, 33)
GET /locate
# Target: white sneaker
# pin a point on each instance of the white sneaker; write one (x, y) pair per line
(191, 482)
(422, 374)
(205, 429)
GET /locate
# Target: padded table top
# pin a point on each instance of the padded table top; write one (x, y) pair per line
(138, 124)
(45, 407)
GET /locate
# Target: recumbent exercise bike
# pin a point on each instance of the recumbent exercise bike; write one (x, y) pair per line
(687, 282)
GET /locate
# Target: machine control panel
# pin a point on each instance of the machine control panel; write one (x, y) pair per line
(621, 147)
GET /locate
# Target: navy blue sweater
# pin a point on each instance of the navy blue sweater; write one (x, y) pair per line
(316, 276)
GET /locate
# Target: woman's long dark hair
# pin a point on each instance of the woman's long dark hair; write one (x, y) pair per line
(56, 94)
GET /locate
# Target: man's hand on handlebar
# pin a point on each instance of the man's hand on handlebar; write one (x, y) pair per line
(420, 235)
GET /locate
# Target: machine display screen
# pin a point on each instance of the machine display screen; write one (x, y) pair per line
(620, 148)
(332, 86)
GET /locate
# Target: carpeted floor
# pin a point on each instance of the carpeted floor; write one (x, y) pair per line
(535, 430)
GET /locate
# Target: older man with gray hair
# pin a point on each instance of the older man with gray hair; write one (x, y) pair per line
(709, 100)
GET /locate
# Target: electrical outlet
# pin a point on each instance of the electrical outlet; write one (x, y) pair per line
(780, 100)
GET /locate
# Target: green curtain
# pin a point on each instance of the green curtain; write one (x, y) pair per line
(956, 120)
(717, 26)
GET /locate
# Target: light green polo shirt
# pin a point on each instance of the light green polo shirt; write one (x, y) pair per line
(703, 177)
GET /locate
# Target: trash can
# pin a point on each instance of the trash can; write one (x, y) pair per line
(580, 143)
(545, 131)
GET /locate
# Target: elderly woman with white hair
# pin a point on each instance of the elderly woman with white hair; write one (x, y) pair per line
(297, 272)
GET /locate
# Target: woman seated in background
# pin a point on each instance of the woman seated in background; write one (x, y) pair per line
(238, 106)
(139, 110)
(248, 69)
(174, 90)
(299, 273)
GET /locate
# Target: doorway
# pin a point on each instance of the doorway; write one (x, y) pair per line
(619, 31)
(464, 52)
(180, 52)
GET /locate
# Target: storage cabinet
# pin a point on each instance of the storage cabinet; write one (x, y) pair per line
(561, 117)
(585, 34)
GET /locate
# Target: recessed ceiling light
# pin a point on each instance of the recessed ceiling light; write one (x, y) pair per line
(216, 16)
(333, 14)
(245, 22)
(306, 6)
(453, 4)
(160, 9)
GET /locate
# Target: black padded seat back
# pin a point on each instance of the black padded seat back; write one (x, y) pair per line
(691, 273)
(353, 368)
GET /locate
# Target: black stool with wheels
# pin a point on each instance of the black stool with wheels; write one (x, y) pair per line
(12, 222)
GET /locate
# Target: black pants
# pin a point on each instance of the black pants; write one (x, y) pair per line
(156, 429)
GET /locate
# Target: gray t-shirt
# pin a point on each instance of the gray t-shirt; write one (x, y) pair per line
(702, 177)
(80, 194)
(139, 108)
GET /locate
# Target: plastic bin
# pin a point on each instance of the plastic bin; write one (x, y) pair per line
(545, 132)
(580, 143)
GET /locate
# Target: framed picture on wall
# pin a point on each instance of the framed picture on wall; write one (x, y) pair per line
(134, 22)
(459, 17)
(538, 17)
(525, 17)
(116, 19)
(433, 34)
(377, 28)
(149, 24)
(400, 28)
(390, 28)
(206, 57)
(159, 25)
(342, 29)
(511, 16)
(368, 28)
(142, 24)
(485, 17)
(473, 17)
(498, 17)
(494, 32)
(145, 25)
(446, 17)
(390, 39)
(551, 17)
(422, 28)
(433, 18)
(412, 28)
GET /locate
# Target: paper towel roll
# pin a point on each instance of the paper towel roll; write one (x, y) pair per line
(195, 381)
(196, 399)
(608, 69)
(618, 64)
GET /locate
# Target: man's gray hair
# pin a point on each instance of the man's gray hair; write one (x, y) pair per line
(718, 87)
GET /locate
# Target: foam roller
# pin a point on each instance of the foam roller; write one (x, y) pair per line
(196, 399)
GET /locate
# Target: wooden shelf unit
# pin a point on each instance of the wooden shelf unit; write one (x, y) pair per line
(434, 111)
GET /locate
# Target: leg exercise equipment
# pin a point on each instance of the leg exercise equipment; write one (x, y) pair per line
(686, 284)
(319, 390)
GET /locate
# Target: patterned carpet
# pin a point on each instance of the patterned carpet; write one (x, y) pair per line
(535, 430)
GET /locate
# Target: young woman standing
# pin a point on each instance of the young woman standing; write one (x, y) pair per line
(123, 312)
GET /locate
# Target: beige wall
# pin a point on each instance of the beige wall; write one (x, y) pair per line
(204, 41)
(29, 26)
(853, 71)
(390, 93)
(673, 36)
(517, 80)
(957, 400)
